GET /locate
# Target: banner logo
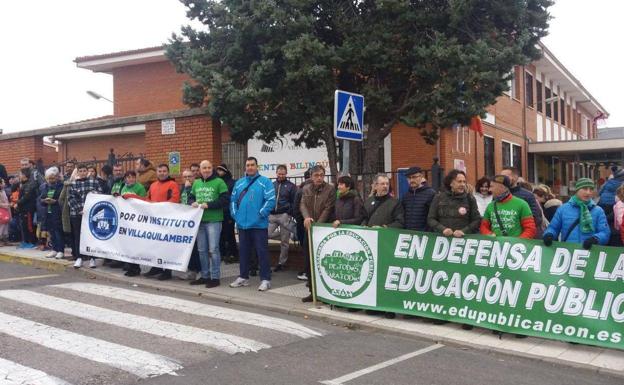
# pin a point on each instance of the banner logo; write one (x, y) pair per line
(345, 264)
(103, 220)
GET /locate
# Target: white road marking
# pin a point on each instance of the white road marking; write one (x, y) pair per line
(224, 342)
(195, 308)
(12, 373)
(28, 277)
(137, 362)
(385, 364)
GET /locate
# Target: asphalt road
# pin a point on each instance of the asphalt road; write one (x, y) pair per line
(64, 328)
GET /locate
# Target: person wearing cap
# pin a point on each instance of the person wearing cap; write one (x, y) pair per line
(507, 215)
(579, 220)
(227, 241)
(417, 200)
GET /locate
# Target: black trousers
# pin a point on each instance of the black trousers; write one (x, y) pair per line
(28, 230)
(227, 241)
(76, 222)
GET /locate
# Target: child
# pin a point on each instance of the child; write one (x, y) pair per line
(78, 191)
(51, 219)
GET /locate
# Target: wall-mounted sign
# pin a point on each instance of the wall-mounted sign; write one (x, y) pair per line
(167, 126)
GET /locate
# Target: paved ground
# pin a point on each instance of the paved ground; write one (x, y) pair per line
(64, 327)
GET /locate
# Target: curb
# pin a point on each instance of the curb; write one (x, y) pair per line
(337, 319)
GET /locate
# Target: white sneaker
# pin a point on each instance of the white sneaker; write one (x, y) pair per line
(51, 254)
(239, 282)
(92, 264)
(264, 285)
(302, 276)
(78, 263)
(59, 255)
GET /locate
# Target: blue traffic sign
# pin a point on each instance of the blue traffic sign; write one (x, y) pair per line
(348, 116)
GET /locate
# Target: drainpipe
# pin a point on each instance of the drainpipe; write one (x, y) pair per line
(525, 150)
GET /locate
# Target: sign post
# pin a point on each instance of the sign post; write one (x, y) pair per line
(348, 121)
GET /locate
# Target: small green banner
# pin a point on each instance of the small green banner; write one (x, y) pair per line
(174, 163)
(513, 285)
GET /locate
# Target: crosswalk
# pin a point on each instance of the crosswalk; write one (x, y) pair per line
(189, 330)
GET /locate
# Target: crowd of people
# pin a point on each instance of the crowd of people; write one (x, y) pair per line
(46, 208)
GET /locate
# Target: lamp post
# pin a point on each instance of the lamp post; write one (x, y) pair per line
(95, 95)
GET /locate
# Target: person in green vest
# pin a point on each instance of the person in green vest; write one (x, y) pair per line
(132, 189)
(118, 180)
(211, 194)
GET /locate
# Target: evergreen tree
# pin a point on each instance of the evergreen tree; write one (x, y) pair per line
(270, 67)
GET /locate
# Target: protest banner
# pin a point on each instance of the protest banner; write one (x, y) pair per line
(513, 285)
(131, 230)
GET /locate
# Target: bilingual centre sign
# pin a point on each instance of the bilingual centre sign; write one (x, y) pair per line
(561, 292)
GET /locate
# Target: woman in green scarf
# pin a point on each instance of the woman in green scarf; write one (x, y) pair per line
(579, 220)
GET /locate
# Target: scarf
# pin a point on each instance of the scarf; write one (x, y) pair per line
(587, 224)
(502, 197)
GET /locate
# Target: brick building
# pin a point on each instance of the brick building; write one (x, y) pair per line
(546, 110)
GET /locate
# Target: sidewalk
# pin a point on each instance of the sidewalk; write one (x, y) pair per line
(285, 297)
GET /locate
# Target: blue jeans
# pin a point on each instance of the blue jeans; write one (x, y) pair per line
(258, 239)
(208, 247)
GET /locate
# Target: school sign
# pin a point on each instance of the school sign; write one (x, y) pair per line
(561, 292)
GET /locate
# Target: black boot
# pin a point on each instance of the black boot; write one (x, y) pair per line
(165, 275)
(154, 271)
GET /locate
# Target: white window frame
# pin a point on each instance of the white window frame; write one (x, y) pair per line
(511, 157)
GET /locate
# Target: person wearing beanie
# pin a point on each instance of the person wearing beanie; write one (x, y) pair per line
(579, 220)
(507, 215)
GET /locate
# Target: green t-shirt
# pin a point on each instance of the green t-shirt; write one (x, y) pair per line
(208, 191)
(184, 195)
(511, 213)
(51, 196)
(136, 189)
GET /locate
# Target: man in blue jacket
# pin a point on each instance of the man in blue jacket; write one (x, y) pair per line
(252, 200)
(417, 200)
(579, 220)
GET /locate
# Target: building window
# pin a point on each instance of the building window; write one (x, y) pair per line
(548, 104)
(462, 139)
(540, 100)
(555, 107)
(512, 156)
(488, 149)
(528, 89)
(563, 112)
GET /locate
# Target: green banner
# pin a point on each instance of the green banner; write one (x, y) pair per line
(562, 292)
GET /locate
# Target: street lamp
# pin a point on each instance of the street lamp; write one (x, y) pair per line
(95, 95)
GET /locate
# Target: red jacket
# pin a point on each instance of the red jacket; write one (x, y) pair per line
(164, 191)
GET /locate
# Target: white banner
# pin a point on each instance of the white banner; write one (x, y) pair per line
(131, 230)
(284, 151)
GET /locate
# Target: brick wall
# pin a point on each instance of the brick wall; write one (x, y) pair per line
(87, 148)
(13, 150)
(196, 138)
(147, 88)
(50, 155)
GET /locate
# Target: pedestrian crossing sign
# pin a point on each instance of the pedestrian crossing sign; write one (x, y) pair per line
(348, 116)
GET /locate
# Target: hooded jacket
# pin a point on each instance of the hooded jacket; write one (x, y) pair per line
(252, 200)
(147, 177)
(567, 215)
(550, 208)
(607, 193)
(164, 191)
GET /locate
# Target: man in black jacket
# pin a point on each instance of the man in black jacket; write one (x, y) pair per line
(26, 207)
(227, 242)
(281, 215)
(517, 191)
(417, 200)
